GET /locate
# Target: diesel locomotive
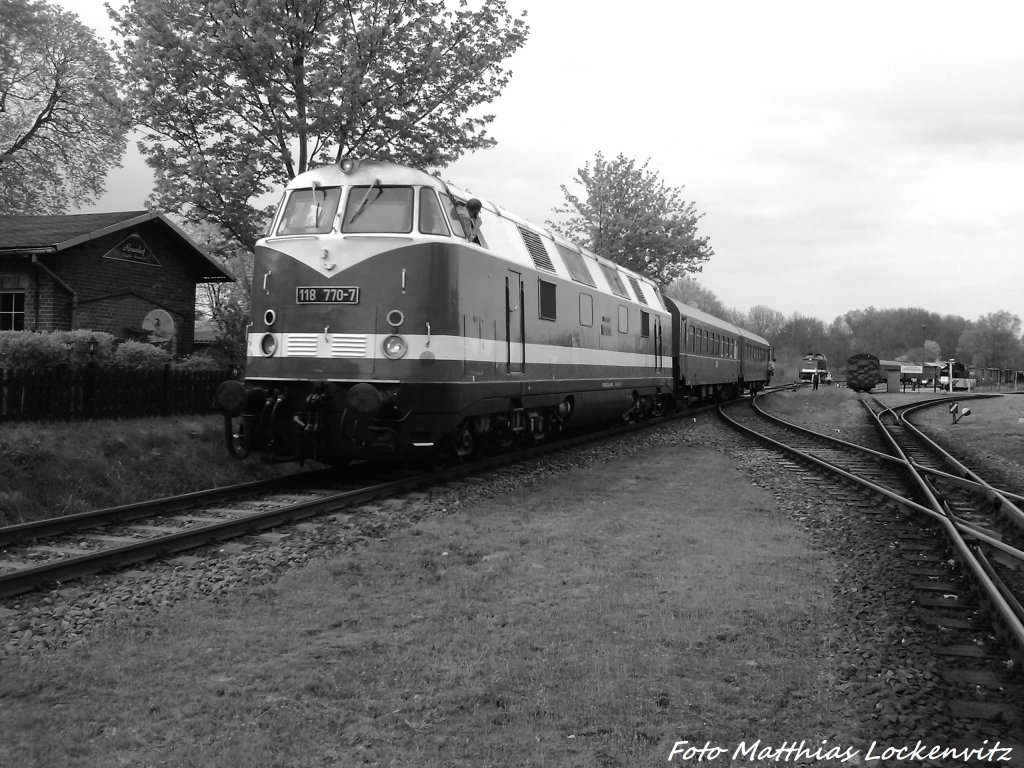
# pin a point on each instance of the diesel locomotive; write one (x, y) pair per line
(394, 315)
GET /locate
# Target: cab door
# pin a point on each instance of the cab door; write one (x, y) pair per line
(659, 352)
(515, 331)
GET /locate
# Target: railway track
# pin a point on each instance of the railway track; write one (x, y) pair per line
(959, 539)
(57, 550)
(52, 552)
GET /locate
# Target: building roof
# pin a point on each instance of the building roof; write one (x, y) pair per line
(53, 234)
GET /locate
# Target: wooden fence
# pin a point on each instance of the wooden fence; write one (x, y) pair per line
(104, 393)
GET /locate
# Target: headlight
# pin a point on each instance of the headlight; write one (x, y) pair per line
(268, 344)
(394, 347)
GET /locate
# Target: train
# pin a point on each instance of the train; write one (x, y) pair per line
(814, 363)
(963, 378)
(396, 316)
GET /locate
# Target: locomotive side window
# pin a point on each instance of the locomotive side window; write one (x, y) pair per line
(623, 319)
(614, 281)
(546, 300)
(431, 216)
(309, 211)
(378, 209)
(586, 310)
(645, 324)
(576, 265)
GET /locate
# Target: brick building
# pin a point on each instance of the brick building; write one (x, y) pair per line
(131, 274)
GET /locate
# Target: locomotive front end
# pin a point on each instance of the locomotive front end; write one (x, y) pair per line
(345, 288)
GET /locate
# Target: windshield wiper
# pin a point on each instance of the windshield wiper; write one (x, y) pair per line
(318, 202)
(366, 200)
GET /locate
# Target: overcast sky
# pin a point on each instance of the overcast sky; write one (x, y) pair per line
(844, 155)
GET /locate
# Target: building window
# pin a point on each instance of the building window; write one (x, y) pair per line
(546, 296)
(12, 311)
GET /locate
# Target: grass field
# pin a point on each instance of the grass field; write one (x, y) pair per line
(62, 468)
(592, 620)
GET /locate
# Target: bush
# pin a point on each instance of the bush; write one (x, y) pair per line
(27, 350)
(35, 350)
(200, 361)
(139, 356)
(78, 342)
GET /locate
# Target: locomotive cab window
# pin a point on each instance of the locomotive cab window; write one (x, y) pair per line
(450, 205)
(309, 211)
(431, 216)
(376, 208)
(465, 218)
(546, 300)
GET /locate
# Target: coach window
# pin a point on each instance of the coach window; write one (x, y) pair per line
(431, 217)
(378, 209)
(310, 211)
(546, 300)
(586, 310)
(623, 319)
(645, 324)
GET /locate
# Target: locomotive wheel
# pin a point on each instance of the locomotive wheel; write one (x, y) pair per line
(462, 441)
(238, 439)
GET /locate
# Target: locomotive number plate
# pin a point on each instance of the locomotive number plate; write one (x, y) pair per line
(325, 294)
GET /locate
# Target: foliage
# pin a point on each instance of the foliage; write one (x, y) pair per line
(227, 304)
(140, 356)
(764, 321)
(32, 350)
(43, 350)
(993, 342)
(908, 334)
(235, 98)
(889, 333)
(629, 215)
(200, 361)
(24, 350)
(51, 469)
(61, 121)
(692, 293)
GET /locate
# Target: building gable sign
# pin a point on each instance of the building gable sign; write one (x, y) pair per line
(134, 249)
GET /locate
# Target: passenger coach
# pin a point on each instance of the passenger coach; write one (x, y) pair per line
(713, 358)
